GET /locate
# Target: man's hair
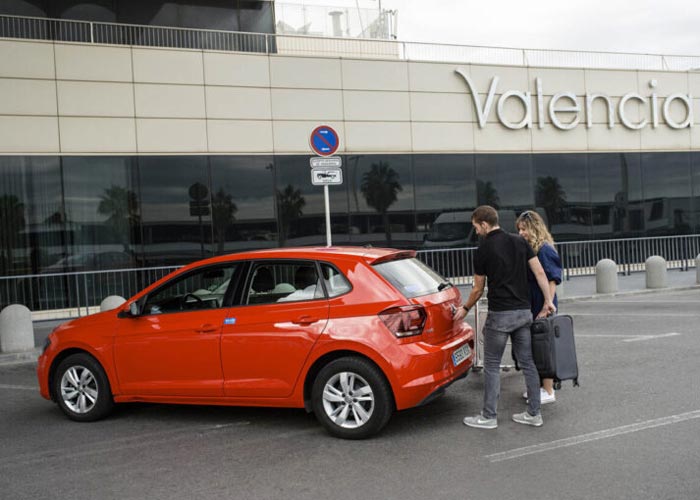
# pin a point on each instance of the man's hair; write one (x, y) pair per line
(485, 213)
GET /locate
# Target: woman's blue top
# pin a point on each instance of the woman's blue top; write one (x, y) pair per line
(551, 263)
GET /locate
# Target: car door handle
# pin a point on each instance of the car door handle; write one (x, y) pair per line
(207, 328)
(305, 320)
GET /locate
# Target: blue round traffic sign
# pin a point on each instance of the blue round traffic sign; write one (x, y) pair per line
(324, 140)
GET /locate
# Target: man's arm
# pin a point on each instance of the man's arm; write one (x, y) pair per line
(541, 278)
(476, 293)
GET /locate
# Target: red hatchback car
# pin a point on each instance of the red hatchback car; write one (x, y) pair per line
(349, 333)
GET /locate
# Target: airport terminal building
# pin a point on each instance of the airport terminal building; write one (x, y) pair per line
(123, 144)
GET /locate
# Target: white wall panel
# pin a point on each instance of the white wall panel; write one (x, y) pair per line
(169, 101)
(375, 75)
(93, 62)
(378, 136)
(221, 68)
(304, 104)
(380, 106)
(24, 134)
(441, 107)
(612, 83)
(552, 139)
(601, 138)
(168, 66)
(238, 103)
(239, 136)
(456, 137)
(436, 77)
(97, 135)
(95, 99)
(171, 136)
(27, 97)
(556, 80)
(26, 59)
(496, 138)
(509, 78)
(665, 138)
(305, 73)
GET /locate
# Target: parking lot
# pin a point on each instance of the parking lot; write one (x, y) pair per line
(630, 431)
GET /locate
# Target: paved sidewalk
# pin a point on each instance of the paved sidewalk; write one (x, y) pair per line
(576, 288)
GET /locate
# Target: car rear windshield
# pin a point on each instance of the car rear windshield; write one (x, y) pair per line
(411, 277)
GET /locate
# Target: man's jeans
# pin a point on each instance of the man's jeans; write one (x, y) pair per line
(498, 327)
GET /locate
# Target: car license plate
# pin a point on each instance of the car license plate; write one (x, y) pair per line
(460, 355)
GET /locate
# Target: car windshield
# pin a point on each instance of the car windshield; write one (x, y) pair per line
(410, 277)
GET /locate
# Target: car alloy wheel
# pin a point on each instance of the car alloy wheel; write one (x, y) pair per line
(352, 398)
(81, 388)
(348, 400)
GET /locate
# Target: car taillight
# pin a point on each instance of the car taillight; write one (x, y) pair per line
(404, 321)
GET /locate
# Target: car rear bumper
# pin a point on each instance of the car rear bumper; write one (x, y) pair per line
(429, 369)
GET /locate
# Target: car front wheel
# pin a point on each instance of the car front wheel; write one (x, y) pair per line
(351, 398)
(82, 389)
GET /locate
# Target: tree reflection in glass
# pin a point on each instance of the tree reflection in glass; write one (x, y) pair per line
(380, 186)
(550, 195)
(486, 194)
(290, 204)
(223, 213)
(11, 224)
(121, 206)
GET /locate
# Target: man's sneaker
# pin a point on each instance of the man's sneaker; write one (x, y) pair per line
(481, 422)
(527, 419)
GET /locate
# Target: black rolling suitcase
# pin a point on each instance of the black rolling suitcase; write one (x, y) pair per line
(553, 348)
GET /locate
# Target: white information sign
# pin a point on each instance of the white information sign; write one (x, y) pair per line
(326, 176)
(328, 161)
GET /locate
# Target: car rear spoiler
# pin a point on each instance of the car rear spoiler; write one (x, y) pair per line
(398, 255)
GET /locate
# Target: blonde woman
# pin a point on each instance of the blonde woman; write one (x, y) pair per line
(532, 227)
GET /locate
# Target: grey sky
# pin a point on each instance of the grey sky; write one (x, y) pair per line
(669, 27)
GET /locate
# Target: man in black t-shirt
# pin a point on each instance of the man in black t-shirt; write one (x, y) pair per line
(503, 260)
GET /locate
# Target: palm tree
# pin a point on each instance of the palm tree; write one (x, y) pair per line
(223, 213)
(380, 186)
(121, 207)
(11, 223)
(486, 194)
(551, 196)
(290, 203)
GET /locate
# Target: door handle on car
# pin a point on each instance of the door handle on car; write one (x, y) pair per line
(305, 320)
(207, 328)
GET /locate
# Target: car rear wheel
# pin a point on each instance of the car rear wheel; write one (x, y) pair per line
(82, 389)
(351, 398)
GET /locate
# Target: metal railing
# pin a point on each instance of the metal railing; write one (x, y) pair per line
(77, 293)
(38, 28)
(579, 258)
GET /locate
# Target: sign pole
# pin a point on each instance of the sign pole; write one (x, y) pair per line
(328, 215)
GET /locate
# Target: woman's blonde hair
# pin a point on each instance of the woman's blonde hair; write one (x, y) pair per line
(537, 232)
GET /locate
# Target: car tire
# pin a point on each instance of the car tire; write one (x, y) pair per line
(351, 398)
(81, 388)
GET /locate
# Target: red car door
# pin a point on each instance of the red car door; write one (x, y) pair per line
(266, 341)
(176, 354)
(173, 348)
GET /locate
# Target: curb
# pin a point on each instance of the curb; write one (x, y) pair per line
(597, 296)
(18, 358)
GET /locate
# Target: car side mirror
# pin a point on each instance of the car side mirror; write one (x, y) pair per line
(134, 309)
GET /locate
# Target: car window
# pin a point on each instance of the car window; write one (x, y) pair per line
(410, 277)
(202, 289)
(336, 283)
(273, 282)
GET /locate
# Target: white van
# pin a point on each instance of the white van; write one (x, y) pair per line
(455, 230)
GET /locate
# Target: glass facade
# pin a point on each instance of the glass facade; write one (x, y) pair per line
(66, 213)
(228, 15)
